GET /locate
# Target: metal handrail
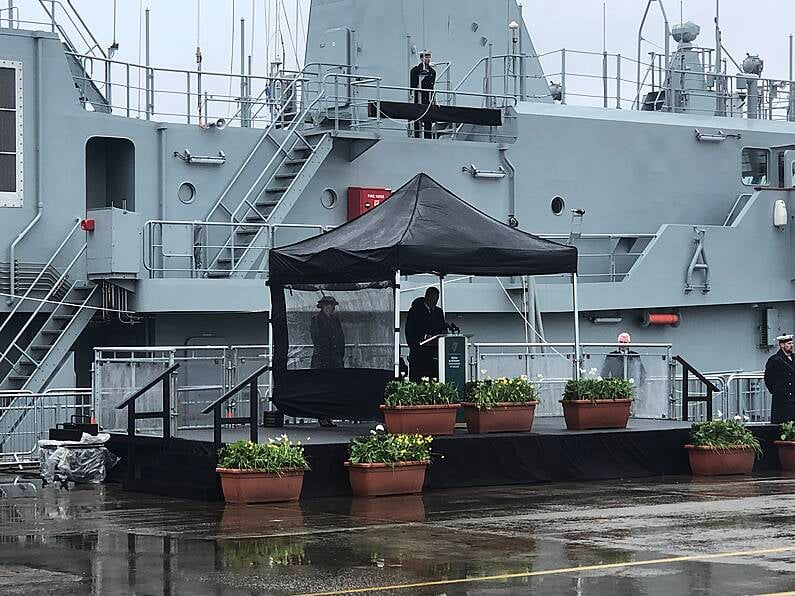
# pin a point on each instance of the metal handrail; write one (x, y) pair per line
(688, 368)
(131, 399)
(55, 23)
(266, 134)
(132, 415)
(252, 419)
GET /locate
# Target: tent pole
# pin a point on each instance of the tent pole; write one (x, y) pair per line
(270, 360)
(577, 347)
(441, 293)
(396, 290)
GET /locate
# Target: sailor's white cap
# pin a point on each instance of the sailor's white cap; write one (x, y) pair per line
(784, 338)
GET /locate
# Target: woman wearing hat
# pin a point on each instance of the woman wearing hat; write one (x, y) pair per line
(328, 341)
(328, 338)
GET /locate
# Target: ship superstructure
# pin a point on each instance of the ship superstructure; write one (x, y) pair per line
(147, 223)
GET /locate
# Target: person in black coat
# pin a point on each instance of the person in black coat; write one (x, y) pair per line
(328, 339)
(422, 79)
(780, 381)
(424, 320)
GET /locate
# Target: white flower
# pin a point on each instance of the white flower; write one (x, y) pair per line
(598, 378)
(379, 427)
(632, 381)
(738, 418)
(746, 418)
(424, 379)
(309, 438)
(372, 432)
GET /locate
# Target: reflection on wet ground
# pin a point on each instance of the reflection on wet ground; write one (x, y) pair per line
(669, 536)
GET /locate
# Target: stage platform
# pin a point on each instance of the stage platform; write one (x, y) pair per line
(314, 434)
(550, 453)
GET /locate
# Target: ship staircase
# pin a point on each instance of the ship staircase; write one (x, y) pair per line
(43, 324)
(79, 48)
(259, 195)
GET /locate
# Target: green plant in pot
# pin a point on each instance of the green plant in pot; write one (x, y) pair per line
(786, 446)
(719, 447)
(595, 402)
(388, 464)
(427, 407)
(500, 405)
(262, 472)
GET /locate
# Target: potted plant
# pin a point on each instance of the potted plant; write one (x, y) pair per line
(262, 472)
(388, 464)
(501, 405)
(721, 447)
(597, 403)
(428, 407)
(786, 446)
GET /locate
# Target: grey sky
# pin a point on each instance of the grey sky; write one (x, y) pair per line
(761, 26)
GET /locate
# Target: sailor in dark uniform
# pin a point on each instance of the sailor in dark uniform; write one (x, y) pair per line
(422, 81)
(780, 381)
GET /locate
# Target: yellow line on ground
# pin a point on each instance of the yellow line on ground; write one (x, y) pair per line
(485, 578)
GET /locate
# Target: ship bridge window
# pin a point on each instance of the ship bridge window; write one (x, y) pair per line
(756, 165)
(10, 134)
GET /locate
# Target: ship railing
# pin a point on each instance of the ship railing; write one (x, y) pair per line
(37, 413)
(174, 248)
(201, 97)
(348, 100)
(599, 79)
(205, 372)
(551, 365)
(189, 248)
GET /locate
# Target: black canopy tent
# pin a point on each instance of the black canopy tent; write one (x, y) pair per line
(422, 228)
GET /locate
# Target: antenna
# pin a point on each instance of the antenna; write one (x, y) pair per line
(604, 26)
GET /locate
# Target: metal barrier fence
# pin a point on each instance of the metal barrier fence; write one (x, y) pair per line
(741, 394)
(550, 365)
(27, 417)
(206, 372)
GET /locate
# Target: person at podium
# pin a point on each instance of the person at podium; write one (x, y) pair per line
(424, 320)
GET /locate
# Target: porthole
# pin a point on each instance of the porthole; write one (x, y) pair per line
(558, 205)
(186, 192)
(328, 198)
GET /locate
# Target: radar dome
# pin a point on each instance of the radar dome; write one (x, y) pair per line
(685, 32)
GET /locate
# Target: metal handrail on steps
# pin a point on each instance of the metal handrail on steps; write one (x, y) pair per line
(252, 419)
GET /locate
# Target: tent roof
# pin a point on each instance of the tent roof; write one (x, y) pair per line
(421, 228)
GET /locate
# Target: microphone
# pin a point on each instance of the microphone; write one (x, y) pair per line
(453, 328)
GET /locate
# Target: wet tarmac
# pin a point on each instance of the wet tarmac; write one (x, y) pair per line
(668, 536)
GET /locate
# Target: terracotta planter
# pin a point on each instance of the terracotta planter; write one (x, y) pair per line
(786, 454)
(375, 480)
(424, 420)
(585, 414)
(252, 486)
(501, 418)
(708, 461)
